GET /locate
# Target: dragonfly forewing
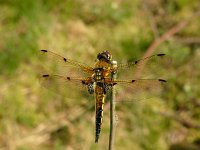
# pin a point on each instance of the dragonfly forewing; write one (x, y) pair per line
(63, 65)
(152, 64)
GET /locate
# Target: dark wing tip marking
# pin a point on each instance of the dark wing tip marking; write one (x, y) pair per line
(68, 78)
(162, 80)
(133, 81)
(161, 54)
(136, 62)
(45, 75)
(65, 59)
(43, 50)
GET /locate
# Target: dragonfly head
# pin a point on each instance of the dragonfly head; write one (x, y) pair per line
(105, 56)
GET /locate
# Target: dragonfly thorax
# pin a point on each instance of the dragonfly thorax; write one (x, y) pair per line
(98, 74)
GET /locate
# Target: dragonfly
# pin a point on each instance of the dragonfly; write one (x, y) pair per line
(97, 79)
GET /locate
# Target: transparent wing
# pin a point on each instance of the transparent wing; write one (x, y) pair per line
(140, 62)
(153, 67)
(63, 65)
(137, 89)
(66, 86)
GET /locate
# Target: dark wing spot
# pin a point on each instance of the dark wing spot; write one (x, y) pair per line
(133, 81)
(83, 82)
(114, 84)
(68, 78)
(161, 54)
(45, 75)
(162, 80)
(65, 59)
(43, 50)
(136, 62)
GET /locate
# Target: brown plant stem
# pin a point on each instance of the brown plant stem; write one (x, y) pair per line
(112, 111)
(168, 34)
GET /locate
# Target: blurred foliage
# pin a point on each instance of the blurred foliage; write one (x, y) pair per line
(34, 118)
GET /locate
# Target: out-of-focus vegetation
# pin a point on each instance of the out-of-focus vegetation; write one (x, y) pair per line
(34, 118)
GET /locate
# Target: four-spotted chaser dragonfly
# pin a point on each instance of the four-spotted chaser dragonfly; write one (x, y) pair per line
(98, 80)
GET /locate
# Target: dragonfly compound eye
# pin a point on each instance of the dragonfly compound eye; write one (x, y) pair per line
(105, 55)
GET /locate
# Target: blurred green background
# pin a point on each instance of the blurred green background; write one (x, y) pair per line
(33, 118)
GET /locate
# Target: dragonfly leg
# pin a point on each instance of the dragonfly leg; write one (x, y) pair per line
(90, 88)
(107, 87)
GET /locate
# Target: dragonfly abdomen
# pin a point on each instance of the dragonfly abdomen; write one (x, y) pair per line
(100, 96)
